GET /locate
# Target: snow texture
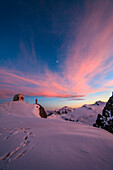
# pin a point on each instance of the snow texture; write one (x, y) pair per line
(30, 142)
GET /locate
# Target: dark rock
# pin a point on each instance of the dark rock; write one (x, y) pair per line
(97, 103)
(84, 105)
(50, 113)
(89, 108)
(105, 120)
(58, 112)
(42, 112)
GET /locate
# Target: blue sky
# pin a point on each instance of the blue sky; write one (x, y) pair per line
(58, 51)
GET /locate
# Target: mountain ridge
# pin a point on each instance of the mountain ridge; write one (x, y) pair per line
(85, 114)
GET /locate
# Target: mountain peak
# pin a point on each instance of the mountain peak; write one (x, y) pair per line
(99, 102)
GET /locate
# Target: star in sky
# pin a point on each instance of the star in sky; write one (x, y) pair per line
(56, 50)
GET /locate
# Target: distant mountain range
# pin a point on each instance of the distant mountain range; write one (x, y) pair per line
(63, 110)
(86, 114)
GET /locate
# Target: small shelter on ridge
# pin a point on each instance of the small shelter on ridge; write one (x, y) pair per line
(18, 97)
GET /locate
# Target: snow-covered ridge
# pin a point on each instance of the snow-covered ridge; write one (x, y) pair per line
(20, 108)
(86, 114)
(63, 110)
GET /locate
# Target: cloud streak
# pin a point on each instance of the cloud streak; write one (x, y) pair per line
(92, 51)
(47, 85)
(87, 65)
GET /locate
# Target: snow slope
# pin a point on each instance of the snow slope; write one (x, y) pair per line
(28, 142)
(20, 108)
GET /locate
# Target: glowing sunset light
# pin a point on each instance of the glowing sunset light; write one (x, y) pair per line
(63, 54)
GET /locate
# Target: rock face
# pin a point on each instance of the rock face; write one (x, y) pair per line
(42, 112)
(105, 120)
(18, 97)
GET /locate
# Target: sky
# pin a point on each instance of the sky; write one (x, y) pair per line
(60, 52)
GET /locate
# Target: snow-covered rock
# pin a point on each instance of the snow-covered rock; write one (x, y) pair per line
(66, 109)
(105, 120)
(63, 110)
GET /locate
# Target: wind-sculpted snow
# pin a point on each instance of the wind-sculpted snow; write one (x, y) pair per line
(46, 144)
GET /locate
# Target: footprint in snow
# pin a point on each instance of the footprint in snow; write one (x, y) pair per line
(16, 153)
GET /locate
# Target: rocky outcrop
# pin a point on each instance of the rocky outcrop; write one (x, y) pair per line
(42, 112)
(105, 120)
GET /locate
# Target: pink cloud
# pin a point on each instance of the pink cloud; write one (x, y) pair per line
(47, 85)
(109, 83)
(92, 49)
(89, 57)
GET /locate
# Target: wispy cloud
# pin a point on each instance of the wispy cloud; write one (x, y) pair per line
(47, 85)
(87, 66)
(91, 54)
